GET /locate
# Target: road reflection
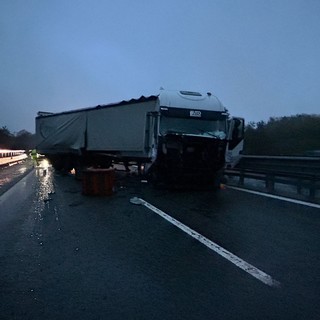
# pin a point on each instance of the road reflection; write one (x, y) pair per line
(22, 170)
(4, 180)
(46, 187)
(11, 174)
(42, 200)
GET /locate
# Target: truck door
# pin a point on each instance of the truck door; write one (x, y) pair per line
(151, 134)
(235, 141)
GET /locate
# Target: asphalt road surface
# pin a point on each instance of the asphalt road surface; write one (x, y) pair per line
(10, 175)
(64, 255)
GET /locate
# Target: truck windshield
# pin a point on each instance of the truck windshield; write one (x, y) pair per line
(214, 128)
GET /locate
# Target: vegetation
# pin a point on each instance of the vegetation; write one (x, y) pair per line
(293, 135)
(22, 140)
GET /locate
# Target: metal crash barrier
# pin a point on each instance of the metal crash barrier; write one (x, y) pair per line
(302, 172)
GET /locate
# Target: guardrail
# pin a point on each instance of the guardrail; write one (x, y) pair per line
(302, 172)
(10, 160)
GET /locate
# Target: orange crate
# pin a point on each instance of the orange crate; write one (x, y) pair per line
(98, 182)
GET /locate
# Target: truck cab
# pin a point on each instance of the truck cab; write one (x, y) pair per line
(192, 138)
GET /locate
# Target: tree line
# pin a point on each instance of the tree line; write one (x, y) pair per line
(22, 140)
(286, 136)
(294, 135)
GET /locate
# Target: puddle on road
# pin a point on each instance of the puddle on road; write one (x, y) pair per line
(46, 187)
(44, 201)
(22, 170)
(9, 174)
(4, 181)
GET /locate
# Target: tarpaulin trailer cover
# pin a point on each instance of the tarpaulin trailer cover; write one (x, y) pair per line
(115, 127)
(61, 133)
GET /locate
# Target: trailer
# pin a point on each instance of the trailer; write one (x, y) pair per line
(175, 136)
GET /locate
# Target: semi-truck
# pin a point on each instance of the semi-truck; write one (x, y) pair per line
(174, 136)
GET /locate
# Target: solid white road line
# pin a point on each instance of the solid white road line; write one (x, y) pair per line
(253, 271)
(309, 204)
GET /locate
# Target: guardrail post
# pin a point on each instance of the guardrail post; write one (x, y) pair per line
(299, 186)
(241, 177)
(270, 182)
(312, 190)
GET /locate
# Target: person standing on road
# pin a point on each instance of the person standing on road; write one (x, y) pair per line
(34, 156)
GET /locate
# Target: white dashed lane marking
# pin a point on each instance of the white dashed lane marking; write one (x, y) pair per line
(250, 269)
(304, 203)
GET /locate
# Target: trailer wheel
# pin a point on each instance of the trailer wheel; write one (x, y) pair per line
(218, 179)
(56, 163)
(79, 167)
(155, 178)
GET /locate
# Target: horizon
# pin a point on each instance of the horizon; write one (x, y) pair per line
(261, 59)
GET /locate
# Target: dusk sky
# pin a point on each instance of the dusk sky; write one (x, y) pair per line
(260, 58)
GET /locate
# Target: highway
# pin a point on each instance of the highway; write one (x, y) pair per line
(146, 253)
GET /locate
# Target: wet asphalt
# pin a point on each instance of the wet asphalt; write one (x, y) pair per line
(64, 255)
(10, 175)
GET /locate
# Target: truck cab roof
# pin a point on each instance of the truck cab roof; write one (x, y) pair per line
(190, 100)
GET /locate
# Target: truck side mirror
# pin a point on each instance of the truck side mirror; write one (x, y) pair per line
(236, 132)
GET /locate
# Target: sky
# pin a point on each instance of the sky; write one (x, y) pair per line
(261, 58)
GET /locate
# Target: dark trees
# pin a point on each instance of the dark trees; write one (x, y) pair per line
(283, 136)
(23, 140)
